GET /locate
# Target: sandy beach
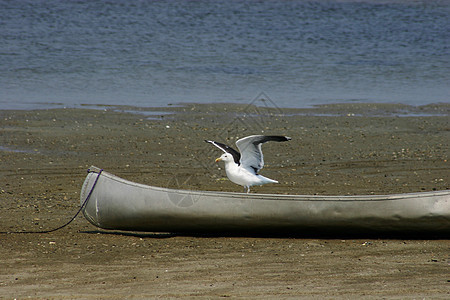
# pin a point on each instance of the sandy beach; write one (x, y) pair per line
(335, 150)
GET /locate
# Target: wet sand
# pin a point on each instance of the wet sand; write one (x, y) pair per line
(335, 150)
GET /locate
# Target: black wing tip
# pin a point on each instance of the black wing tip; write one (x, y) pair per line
(278, 138)
(227, 149)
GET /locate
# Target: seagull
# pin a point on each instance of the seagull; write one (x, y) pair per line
(242, 168)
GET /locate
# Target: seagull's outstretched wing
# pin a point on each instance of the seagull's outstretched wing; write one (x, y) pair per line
(250, 148)
(227, 149)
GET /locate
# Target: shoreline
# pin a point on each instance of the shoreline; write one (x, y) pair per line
(362, 108)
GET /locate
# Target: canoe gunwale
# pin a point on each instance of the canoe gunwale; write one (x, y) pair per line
(275, 197)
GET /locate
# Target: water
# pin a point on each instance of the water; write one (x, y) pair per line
(154, 53)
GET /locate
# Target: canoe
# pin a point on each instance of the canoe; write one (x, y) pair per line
(119, 204)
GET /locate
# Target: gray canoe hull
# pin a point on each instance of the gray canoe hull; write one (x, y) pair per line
(119, 204)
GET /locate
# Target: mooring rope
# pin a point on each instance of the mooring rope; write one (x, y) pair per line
(73, 218)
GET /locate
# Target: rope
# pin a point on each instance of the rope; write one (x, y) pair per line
(73, 218)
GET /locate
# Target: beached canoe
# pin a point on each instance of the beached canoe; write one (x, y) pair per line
(119, 204)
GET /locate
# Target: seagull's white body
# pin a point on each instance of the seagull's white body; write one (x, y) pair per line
(242, 168)
(241, 175)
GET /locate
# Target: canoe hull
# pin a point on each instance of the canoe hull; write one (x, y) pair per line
(119, 204)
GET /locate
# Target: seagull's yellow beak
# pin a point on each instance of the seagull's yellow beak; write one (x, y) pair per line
(218, 159)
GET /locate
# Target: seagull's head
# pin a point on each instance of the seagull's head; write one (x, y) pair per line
(226, 157)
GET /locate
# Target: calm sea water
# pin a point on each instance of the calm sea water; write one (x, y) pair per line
(153, 53)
